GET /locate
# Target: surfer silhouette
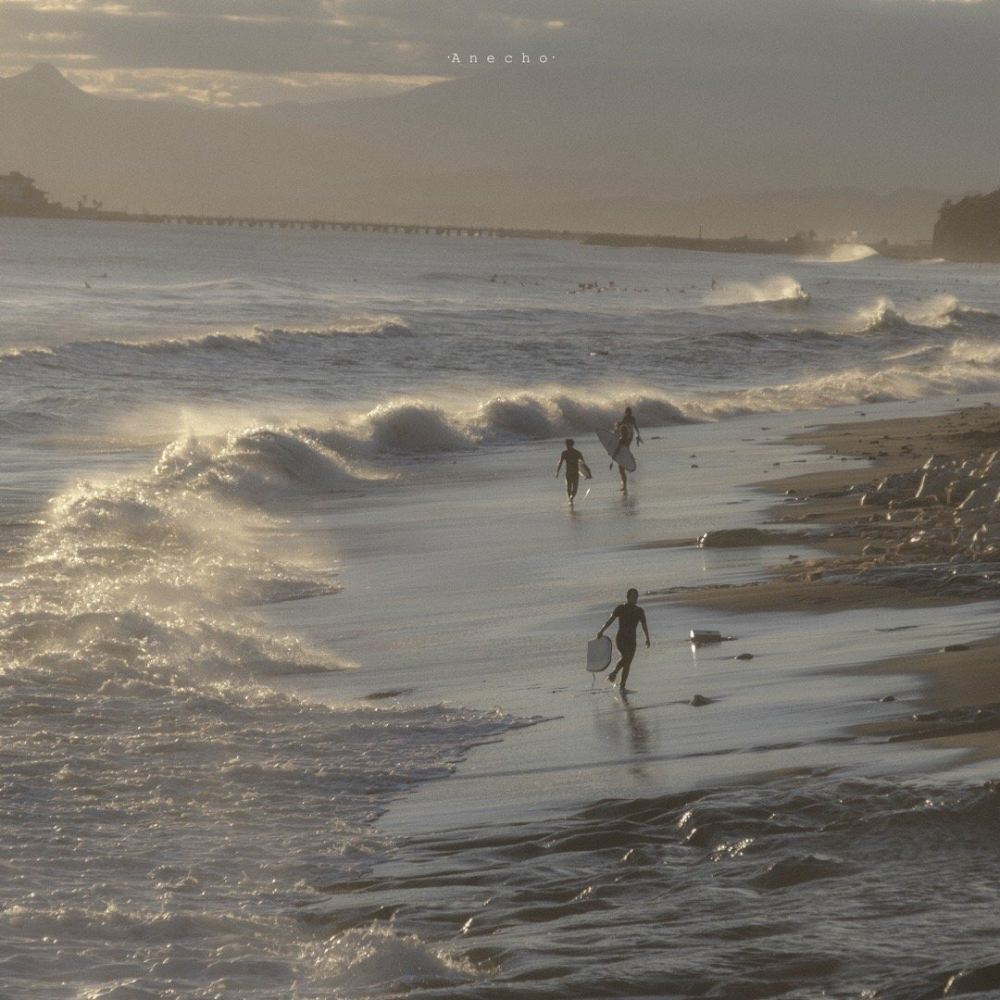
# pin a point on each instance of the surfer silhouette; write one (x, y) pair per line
(629, 617)
(625, 430)
(624, 435)
(628, 421)
(573, 461)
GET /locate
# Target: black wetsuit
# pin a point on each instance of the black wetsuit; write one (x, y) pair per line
(628, 616)
(572, 458)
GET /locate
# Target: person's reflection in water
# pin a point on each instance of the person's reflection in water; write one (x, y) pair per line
(638, 732)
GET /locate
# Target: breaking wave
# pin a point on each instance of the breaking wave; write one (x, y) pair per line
(847, 253)
(962, 367)
(781, 291)
(168, 817)
(255, 462)
(415, 427)
(936, 313)
(349, 453)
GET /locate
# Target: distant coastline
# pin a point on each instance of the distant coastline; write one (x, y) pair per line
(797, 245)
(20, 198)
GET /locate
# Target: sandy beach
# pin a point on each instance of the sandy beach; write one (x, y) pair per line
(961, 693)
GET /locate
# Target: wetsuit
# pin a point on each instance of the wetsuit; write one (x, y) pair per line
(572, 458)
(629, 616)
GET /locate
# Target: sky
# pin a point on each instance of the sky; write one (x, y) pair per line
(595, 114)
(250, 52)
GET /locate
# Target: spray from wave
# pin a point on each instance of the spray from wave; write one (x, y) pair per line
(346, 454)
(187, 815)
(777, 291)
(846, 253)
(939, 312)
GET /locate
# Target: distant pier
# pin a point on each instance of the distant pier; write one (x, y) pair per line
(794, 245)
(332, 225)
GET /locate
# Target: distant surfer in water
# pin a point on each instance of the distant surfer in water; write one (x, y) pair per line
(574, 461)
(625, 430)
(629, 616)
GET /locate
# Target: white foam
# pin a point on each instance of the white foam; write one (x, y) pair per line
(166, 815)
(847, 253)
(379, 959)
(779, 290)
(941, 311)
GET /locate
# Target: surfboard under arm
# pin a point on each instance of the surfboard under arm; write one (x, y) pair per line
(618, 451)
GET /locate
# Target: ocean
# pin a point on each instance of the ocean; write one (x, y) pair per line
(293, 615)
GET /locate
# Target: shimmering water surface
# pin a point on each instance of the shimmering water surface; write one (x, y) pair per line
(292, 613)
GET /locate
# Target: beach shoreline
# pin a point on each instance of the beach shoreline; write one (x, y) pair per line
(958, 701)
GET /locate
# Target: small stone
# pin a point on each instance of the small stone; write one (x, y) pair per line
(888, 697)
(744, 656)
(732, 538)
(955, 647)
(698, 700)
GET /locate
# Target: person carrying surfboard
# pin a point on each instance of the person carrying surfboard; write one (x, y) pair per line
(624, 435)
(625, 430)
(628, 421)
(614, 443)
(574, 466)
(629, 617)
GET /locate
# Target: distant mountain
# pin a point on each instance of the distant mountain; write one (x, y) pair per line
(515, 150)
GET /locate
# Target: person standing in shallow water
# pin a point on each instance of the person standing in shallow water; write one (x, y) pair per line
(573, 460)
(626, 429)
(629, 617)
(628, 421)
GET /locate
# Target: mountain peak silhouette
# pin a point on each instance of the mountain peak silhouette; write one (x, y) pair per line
(43, 79)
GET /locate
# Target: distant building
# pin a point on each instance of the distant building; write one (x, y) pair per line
(19, 196)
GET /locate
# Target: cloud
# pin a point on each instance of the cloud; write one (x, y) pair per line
(222, 88)
(834, 49)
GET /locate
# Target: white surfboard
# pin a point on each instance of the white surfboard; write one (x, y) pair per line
(598, 654)
(585, 471)
(624, 458)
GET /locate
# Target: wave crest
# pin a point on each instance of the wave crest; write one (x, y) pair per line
(847, 253)
(942, 311)
(782, 290)
(237, 341)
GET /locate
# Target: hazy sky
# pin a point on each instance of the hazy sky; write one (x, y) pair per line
(231, 52)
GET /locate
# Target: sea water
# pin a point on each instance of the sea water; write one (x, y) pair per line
(293, 616)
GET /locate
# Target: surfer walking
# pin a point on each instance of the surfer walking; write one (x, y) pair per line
(625, 430)
(628, 421)
(574, 462)
(629, 617)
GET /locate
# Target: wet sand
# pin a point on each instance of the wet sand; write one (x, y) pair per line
(959, 704)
